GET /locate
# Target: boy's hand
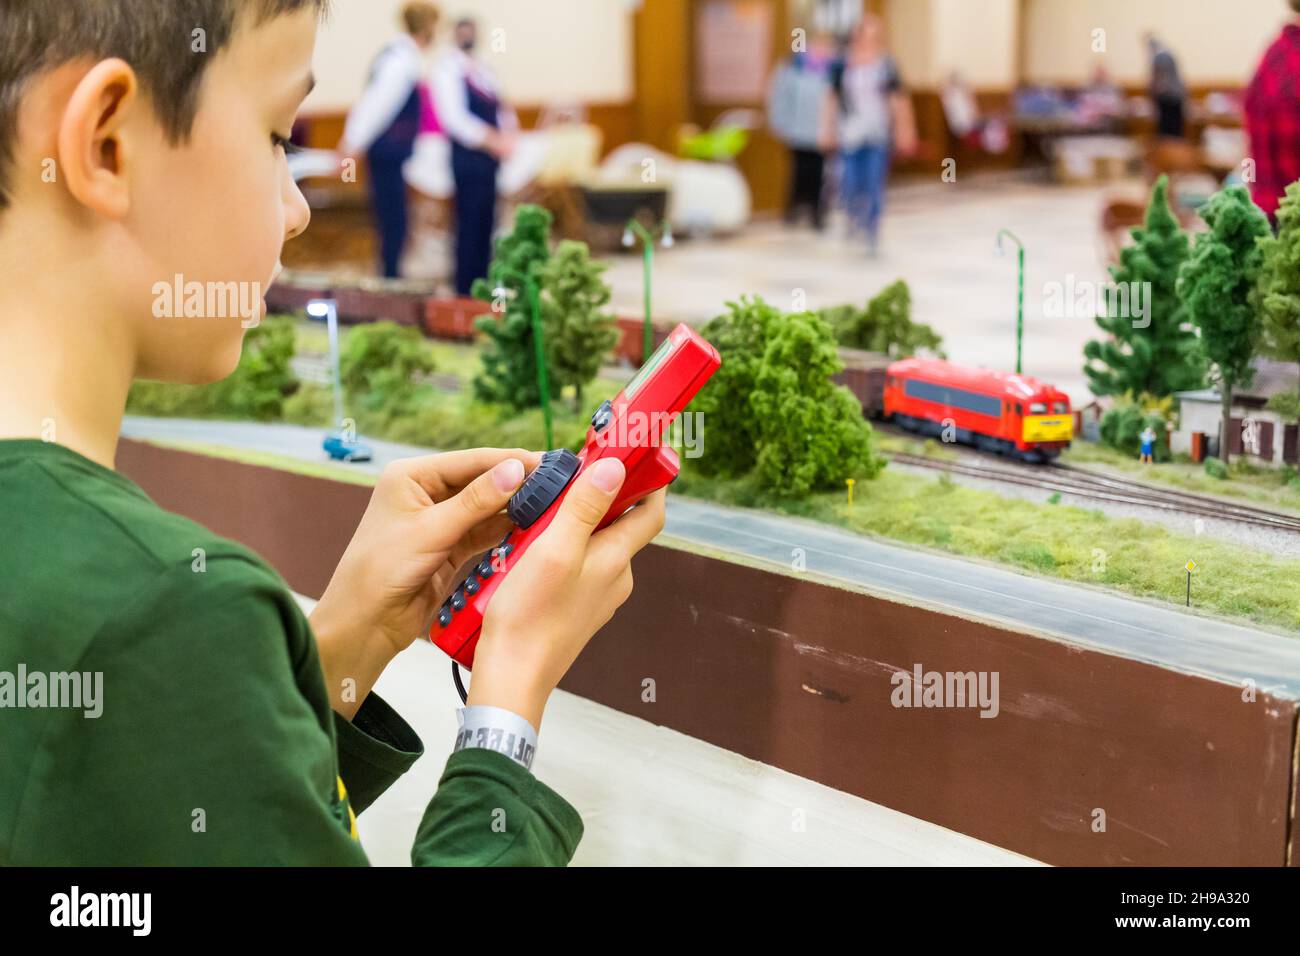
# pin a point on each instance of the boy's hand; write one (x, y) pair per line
(565, 587)
(426, 518)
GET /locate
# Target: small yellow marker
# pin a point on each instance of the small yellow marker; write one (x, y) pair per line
(849, 482)
(1190, 566)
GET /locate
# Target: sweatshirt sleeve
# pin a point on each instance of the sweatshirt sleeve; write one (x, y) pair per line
(375, 748)
(490, 811)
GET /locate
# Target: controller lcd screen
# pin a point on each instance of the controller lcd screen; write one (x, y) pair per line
(643, 376)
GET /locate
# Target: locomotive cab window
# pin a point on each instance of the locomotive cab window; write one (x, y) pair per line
(1037, 408)
(1060, 408)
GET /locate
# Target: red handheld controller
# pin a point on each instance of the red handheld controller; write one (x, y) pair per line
(629, 428)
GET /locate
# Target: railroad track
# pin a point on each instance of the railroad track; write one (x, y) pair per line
(1068, 479)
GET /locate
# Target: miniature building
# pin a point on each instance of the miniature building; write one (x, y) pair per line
(1087, 420)
(1255, 430)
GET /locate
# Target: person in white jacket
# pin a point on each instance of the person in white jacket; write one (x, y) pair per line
(384, 122)
(482, 130)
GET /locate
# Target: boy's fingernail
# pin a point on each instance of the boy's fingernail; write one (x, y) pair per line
(607, 474)
(507, 475)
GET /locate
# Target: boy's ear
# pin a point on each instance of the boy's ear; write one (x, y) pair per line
(92, 153)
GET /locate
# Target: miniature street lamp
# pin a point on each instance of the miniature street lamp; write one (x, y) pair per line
(535, 313)
(631, 233)
(342, 444)
(1020, 293)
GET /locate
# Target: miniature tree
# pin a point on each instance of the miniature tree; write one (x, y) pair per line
(509, 374)
(1218, 286)
(885, 325)
(578, 333)
(1164, 357)
(1279, 294)
(772, 409)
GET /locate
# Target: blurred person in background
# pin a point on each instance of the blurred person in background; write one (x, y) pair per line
(874, 118)
(384, 122)
(1168, 93)
(482, 129)
(800, 115)
(1272, 113)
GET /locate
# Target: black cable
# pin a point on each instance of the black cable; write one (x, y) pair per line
(460, 686)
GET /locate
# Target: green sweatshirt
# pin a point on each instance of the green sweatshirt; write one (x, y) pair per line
(162, 702)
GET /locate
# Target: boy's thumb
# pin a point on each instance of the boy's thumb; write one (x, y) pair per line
(589, 499)
(482, 498)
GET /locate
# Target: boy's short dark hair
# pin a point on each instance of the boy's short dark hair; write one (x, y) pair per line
(155, 36)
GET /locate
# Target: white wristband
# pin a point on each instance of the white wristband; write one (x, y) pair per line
(495, 728)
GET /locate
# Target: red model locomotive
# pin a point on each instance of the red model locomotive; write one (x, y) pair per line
(994, 411)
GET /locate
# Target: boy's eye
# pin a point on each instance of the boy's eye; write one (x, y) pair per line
(283, 142)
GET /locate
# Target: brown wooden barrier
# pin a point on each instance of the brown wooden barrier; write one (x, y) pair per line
(800, 674)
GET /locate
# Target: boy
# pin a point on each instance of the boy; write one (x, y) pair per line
(141, 140)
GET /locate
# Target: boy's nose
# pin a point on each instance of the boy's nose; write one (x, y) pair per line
(297, 212)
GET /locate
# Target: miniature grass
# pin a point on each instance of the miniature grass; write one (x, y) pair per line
(1274, 487)
(1060, 541)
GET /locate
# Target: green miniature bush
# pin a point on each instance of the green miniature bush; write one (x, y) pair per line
(1215, 468)
(256, 389)
(772, 408)
(1286, 404)
(739, 335)
(884, 326)
(311, 405)
(379, 363)
(1122, 427)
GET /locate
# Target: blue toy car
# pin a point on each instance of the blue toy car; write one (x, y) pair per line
(343, 449)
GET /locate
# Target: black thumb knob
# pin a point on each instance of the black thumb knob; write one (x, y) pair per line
(543, 486)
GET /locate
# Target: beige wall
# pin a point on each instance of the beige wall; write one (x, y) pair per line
(909, 32)
(553, 50)
(1216, 41)
(977, 40)
(933, 38)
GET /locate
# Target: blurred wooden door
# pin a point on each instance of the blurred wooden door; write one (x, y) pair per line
(733, 47)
